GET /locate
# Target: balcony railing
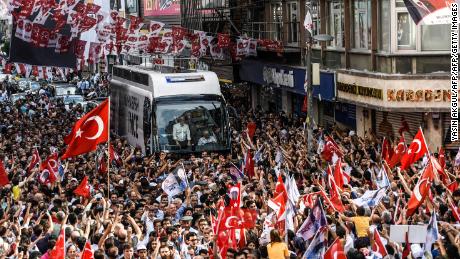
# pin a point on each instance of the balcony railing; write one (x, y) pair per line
(288, 33)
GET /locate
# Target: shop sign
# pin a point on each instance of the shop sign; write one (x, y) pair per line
(360, 90)
(428, 95)
(282, 77)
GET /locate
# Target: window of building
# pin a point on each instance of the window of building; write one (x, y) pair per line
(293, 23)
(336, 20)
(277, 19)
(406, 31)
(435, 37)
(384, 18)
(411, 37)
(361, 24)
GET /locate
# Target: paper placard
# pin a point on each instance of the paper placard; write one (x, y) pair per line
(417, 233)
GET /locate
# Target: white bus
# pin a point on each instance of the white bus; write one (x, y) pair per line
(179, 112)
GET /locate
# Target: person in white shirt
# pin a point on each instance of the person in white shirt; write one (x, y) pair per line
(181, 133)
(206, 139)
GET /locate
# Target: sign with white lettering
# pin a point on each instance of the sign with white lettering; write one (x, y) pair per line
(278, 77)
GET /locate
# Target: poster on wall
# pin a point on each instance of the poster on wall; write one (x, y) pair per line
(161, 7)
(131, 6)
(429, 12)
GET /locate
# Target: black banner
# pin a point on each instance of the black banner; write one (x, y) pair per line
(27, 53)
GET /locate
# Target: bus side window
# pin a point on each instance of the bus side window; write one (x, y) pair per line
(154, 134)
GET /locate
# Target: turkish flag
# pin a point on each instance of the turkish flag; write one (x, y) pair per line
(335, 251)
(249, 165)
(280, 188)
(398, 153)
(102, 163)
(339, 175)
(89, 131)
(114, 156)
(442, 158)
(232, 218)
(278, 204)
(34, 161)
(88, 252)
(378, 246)
(334, 200)
(83, 188)
(50, 162)
(49, 169)
(420, 190)
(235, 196)
(58, 252)
(387, 152)
(416, 150)
(251, 129)
(308, 199)
(440, 170)
(330, 147)
(3, 175)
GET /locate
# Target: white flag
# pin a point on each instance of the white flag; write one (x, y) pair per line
(370, 198)
(308, 23)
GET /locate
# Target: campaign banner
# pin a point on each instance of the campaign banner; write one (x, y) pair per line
(429, 12)
(161, 7)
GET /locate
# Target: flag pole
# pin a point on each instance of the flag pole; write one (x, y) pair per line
(108, 153)
(424, 140)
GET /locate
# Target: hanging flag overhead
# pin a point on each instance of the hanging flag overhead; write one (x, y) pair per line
(427, 12)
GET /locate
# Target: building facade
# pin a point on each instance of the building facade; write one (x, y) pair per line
(389, 73)
(381, 71)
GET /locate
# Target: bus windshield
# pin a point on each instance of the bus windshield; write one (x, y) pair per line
(192, 125)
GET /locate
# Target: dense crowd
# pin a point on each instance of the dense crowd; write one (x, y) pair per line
(134, 218)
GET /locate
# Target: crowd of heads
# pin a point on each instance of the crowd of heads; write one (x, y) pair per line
(130, 216)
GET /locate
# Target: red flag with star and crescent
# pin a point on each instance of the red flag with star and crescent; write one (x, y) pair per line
(421, 190)
(398, 153)
(88, 132)
(83, 188)
(416, 150)
(49, 169)
(232, 218)
(34, 161)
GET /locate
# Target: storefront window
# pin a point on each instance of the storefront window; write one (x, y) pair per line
(361, 24)
(435, 37)
(384, 25)
(405, 31)
(336, 26)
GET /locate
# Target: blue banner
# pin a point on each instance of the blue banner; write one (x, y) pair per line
(289, 78)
